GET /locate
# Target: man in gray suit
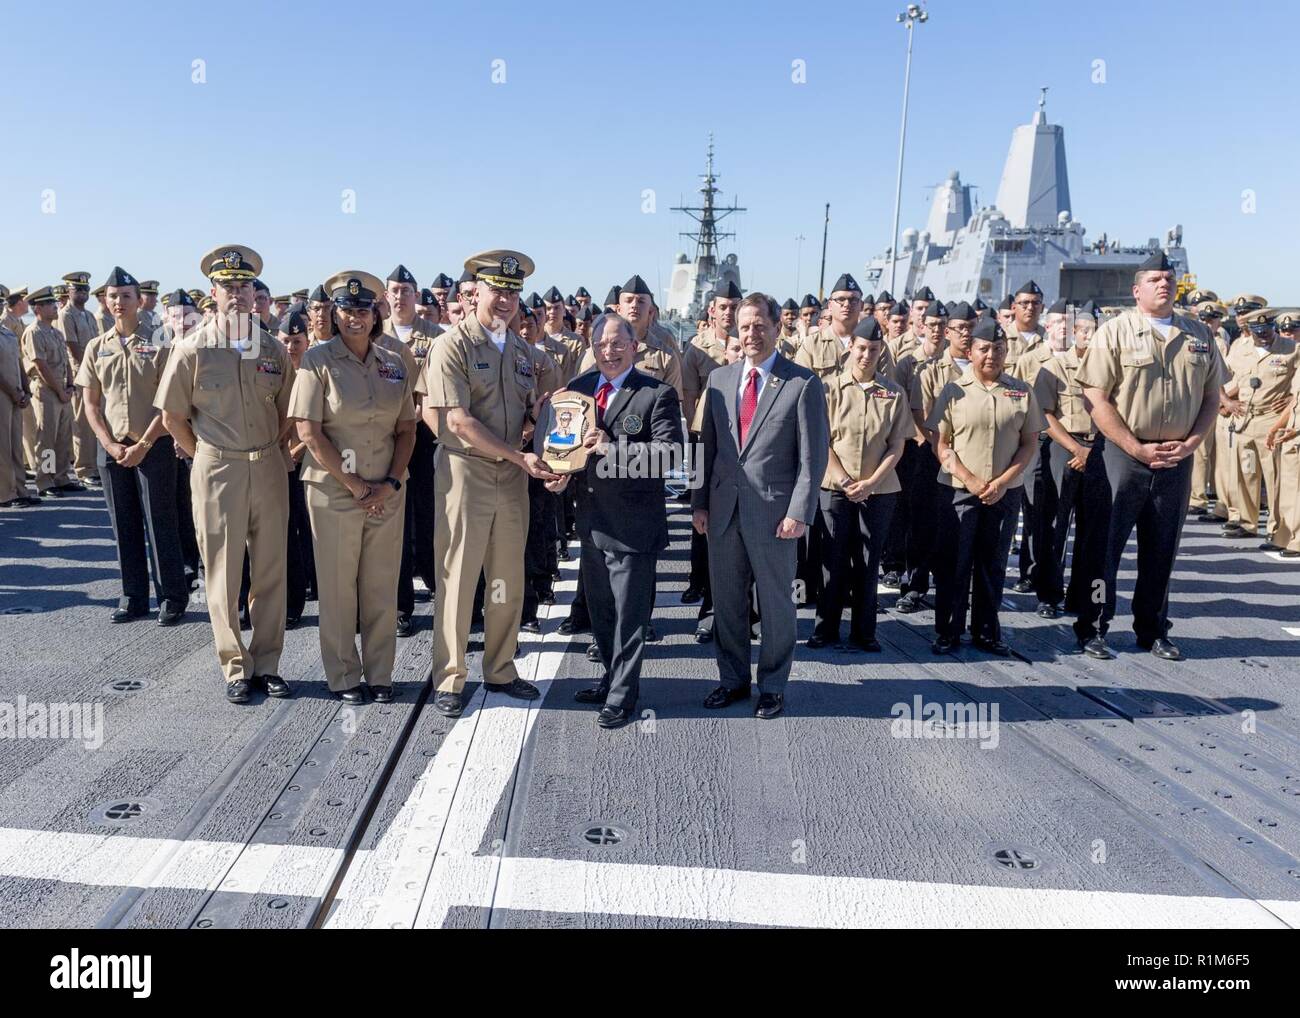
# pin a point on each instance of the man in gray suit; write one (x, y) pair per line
(766, 441)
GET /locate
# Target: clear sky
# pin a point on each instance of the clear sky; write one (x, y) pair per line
(396, 103)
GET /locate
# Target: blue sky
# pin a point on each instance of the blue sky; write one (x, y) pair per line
(600, 102)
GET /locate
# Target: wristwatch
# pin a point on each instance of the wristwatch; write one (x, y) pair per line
(397, 485)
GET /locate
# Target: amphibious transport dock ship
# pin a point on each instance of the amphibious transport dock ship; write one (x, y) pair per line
(1028, 233)
(898, 789)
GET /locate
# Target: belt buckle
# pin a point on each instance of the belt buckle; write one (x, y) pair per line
(256, 454)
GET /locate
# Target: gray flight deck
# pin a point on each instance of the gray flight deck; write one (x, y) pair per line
(1129, 793)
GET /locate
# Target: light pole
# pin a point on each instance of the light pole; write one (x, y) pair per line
(909, 17)
(798, 259)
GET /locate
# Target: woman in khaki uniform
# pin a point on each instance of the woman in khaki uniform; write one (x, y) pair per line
(988, 425)
(354, 404)
(869, 422)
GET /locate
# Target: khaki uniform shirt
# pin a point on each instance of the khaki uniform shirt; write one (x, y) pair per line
(576, 347)
(1156, 384)
(863, 425)
(498, 389)
(125, 372)
(929, 382)
(985, 426)
(550, 379)
(14, 324)
(1274, 371)
(234, 399)
(419, 342)
(907, 373)
(1057, 390)
(11, 361)
(903, 345)
(390, 342)
(46, 343)
(702, 356)
(78, 328)
(357, 403)
(1031, 362)
(1018, 345)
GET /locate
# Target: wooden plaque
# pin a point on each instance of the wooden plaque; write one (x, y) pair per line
(568, 419)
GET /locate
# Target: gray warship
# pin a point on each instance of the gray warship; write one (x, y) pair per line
(693, 279)
(1030, 232)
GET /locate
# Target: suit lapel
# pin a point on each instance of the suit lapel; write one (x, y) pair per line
(771, 389)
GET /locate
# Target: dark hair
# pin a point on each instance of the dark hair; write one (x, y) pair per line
(767, 304)
(376, 329)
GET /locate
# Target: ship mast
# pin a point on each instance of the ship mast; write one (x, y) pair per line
(708, 215)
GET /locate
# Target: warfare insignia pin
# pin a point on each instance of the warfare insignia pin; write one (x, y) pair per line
(632, 424)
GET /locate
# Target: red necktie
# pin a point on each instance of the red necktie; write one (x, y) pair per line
(748, 404)
(602, 401)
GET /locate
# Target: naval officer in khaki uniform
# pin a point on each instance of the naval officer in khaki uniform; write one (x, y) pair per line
(479, 390)
(1151, 378)
(1261, 369)
(1284, 440)
(353, 401)
(45, 356)
(225, 399)
(118, 378)
(1205, 471)
(987, 423)
(869, 422)
(79, 327)
(14, 493)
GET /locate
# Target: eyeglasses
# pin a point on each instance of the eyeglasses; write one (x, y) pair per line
(1028, 303)
(846, 301)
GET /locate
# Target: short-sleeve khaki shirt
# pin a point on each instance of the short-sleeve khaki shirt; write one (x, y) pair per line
(357, 403)
(44, 342)
(985, 426)
(1057, 390)
(235, 399)
(79, 328)
(1274, 369)
(1156, 384)
(930, 382)
(498, 389)
(864, 422)
(124, 371)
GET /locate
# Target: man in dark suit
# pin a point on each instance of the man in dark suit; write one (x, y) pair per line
(622, 518)
(766, 442)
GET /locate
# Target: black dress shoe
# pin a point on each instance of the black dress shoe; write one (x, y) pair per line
(54, 493)
(1166, 650)
(291, 622)
(238, 691)
(403, 624)
(519, 689)
(769, 705)
(1235, 531)
(274, 686)
(816, 642)
(531, 626)
(546, 597)
(1288, 553)
(1269, 546)
(448, 704)
(128, 614)
(704, 633)
(383, 694)
(170, 614)
(891, 580)
(692, 596)
(595, 694)
(944, 645)
(1097, 648)
(1023, 586)
(651, 634)
(565, 628)
(612, 717)
(593, 652)
(1046, 610)
(908, 603)
(865, 643)
(356, 695)
(72, 488)
(563, 554)
(997, 648)
(724, 697)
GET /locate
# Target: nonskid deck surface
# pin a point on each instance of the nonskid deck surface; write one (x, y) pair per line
(1127, 793)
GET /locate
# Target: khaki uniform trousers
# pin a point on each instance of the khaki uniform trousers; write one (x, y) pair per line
(52, 440)
(357, 562)
(29, 434)
(1226, 450)
(241, 500)
(1255, 464)
(1287, 508)
(481, 527)
(12, 482)
(85, 446)
(1203, 469)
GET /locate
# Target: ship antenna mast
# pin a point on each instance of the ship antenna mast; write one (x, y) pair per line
(708, 215)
